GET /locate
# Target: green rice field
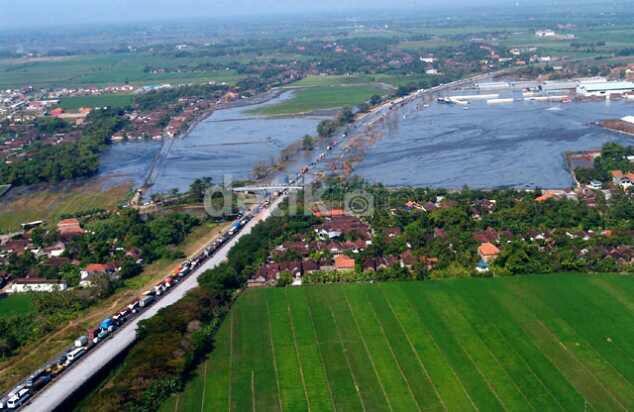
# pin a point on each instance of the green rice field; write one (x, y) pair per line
(323, 97)
(540, 343)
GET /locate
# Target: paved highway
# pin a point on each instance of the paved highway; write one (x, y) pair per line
(53, 395)
(65, 385)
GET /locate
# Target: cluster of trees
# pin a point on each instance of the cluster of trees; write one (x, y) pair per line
(173, 342)
(327, 128)
(154, 236)
(55, 163)
(52, 125)
(613, 157)
(164, 97)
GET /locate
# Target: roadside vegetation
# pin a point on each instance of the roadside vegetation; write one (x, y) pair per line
(173, 343)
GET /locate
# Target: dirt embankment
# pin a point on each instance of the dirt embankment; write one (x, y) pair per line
(619, 126)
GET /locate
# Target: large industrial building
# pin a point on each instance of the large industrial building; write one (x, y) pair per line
(596, 89)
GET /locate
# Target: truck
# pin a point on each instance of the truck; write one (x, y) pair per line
(81, 341)
(75, 354)
(146, 301)
(107, 325)
(134, 306)
(159, 289)
(42, 381)
(234, 228)
(33, 377)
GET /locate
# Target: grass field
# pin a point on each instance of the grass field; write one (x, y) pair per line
(102, 70)
(559, 342)
(328, 92)
(110, 100)
(15, 304)
(50, 205)
(319, 98)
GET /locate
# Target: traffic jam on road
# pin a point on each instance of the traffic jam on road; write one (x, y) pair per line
(24, 392)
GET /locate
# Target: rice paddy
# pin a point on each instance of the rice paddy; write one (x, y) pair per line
(557, 342)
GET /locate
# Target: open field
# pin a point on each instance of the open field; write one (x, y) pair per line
(106, 100)
(50, 205)
(15, 304)
(556, 342)
(329, 92)
(320, 98)
(102, 70)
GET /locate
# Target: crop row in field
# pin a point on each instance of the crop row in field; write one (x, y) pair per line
(559, 342)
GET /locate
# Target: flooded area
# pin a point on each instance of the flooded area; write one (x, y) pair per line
(229, 142)
(520, 144)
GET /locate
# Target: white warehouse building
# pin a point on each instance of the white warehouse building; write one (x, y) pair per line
(604, 88)
(26, 285)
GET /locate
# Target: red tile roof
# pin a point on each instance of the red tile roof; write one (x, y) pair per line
(488, 249)
(343, 262)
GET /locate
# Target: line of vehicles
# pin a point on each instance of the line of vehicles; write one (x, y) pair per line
(22, 393)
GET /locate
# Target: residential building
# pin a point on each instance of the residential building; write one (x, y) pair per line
(344, 263)
(36, 285)
(95, 269)
(488, 252)
(69, 228)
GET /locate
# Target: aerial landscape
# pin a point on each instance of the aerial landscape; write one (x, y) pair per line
(358, 205)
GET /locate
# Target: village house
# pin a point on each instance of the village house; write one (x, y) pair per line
(55, 250)
(93, 270)
(624, 180)
(344, 263)
(69, 228)
(408, 260)
(16, 246)
(488, 252)
(25, 285)
(328, 213)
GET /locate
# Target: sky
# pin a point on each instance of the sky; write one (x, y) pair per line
(32, 13)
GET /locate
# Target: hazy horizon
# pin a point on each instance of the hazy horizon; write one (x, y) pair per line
(32, 13)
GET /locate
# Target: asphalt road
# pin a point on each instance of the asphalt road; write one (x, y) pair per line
(65, 385)
(69, 382)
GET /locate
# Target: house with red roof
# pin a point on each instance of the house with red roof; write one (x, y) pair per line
(93, 270)
(69, 228)
(344, 263)
(488, 252)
